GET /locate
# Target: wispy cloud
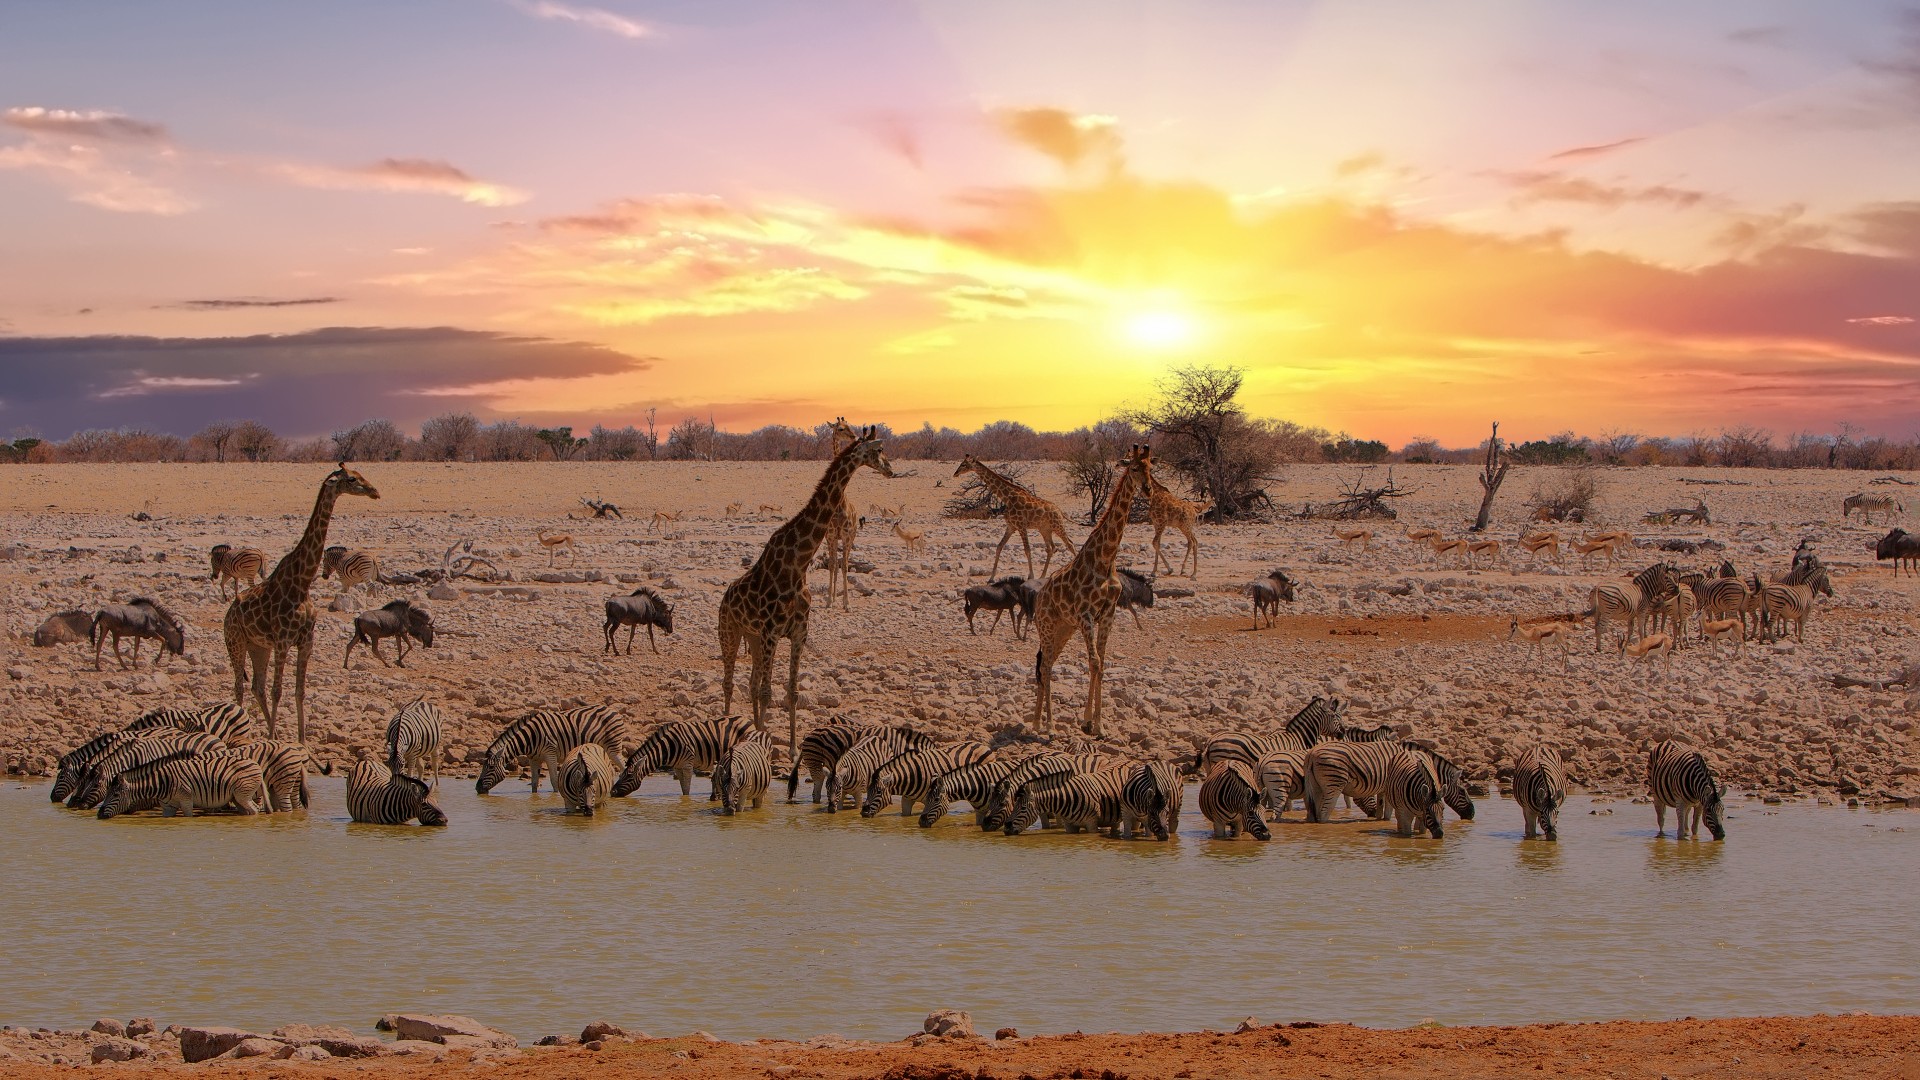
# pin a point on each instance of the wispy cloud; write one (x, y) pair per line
(230, 304)
(148, 384)
(1882, 320)
(94, 124)
(1587, 153)
(1541, 186)
(97, 178)
(594, 18)
(1069, 138)
(403, 175)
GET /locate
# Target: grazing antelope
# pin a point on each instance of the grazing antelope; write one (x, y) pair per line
(1422, 535)
(1548, 542)
(1715, 629)
(732, 509)
(1546, 633)
(914, 539)
(1490, 548)
(661, 517)
(1586, 548)
(1363, 537)
(1618, 536)
(769, 508)
(1443, 547)
(1649, 648)
(555, 543)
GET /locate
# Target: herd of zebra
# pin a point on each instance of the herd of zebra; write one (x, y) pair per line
(182, 760)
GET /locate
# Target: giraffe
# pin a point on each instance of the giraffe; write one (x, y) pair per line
(1166, 510)
(1025, 510)
(771, 601)
(275, 615)
(843, 528)
(1083, 596)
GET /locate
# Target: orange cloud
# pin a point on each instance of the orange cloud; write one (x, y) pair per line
(401, 175)
(92, 124)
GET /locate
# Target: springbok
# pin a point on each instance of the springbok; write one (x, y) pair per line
(1548, 542)
(1649, 648)
(1546, 633)
(556, 543)
(661, 517)
(1491, 548)
(1715, 629)
(1347, 538)
(1443, 547)
(1586, 548)
(915, 539)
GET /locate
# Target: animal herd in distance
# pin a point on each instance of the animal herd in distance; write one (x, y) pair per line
(207, 760)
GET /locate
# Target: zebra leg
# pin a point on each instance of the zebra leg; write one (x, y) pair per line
(1660, 819)
(684, 774)
(1528, 815)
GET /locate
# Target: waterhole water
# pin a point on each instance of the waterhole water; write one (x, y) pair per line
(786, 922)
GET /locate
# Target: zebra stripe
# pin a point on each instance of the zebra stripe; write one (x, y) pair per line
(910, 775)
(1231, 801)
(354, 566)
(1412, 791)
(743, 775)
(234, 565)
(377, 797)
(150, 747)
(225, 721)
(75, 762)
(1793, 598)
(1151, 795)
(283, 765)
(414, 739)
(134, 791)
(1453, 782)
(1039, 766)
(857, 766)
(1357, 770)
(1321, 719)
(585, 778)
(546, 737)
(822, 749)
(1867, 504)
(974, 785)
(1678, 776)
(1076, 801)
(1540, 787)
(1281, 777)
(206, 781)
(1720, 598)
(682, 748)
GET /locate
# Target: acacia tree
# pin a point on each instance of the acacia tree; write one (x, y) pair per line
(215, 437)
(1201, 434)
(449, 437)
(1090, 464)
(370, 440)
(256, 440)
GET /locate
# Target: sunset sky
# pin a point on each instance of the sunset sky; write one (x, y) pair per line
(1400, 218)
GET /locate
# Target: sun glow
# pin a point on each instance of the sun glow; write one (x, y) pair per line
(1159, 328)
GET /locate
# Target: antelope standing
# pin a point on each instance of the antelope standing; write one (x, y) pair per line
(1491, 548)
(1347, 538)
(1715, 629)
(1586, 548)
(1548, 542)
(1649, 648)
(914, 539)
(1546, 633)
(661, 517)
(1443, 547)
(555, 543)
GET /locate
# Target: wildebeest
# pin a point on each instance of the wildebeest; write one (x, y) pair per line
(1899, 545)
(62, 627)
(138, 618)
(1136, 592)
(641, 607)
(400, 619)
(1000, 596)
(1267, 594)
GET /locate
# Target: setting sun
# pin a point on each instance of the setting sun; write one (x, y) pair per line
(1159, 328)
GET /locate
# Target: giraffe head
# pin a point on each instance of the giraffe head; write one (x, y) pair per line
(345, 481)
(1139, 461)
(967, 462)
(866, 450)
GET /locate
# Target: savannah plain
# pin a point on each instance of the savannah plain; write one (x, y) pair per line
(1407, 641)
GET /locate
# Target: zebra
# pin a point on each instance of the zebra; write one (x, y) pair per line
(743, 774)
(1674, 611)
(1281, 775)
(910, 775)
(856, 767)
(973, 784)
(150, 747)
(1792, 598)
(74, 763)
(1867, 504)
(1412, 791)
(180, 786)
(132, 791)
(585, 778)
(545, 737)
(234, 565)
(1678, 776)
(225, 721)
(1902, 547)
(1540, 787)
(682, 748)
(1080, 802)
(1151, 795)
(354, 566)
(1322, 718)
(414, 738)
(1452, 781)
(641, 607)
(283, 765)
(139, 618)
(821, 750)
(1629, 602)
(377, 797)
(1378, 733)
(1723, 597)
(1230, 799)
(1037, 767)
(1357, 770)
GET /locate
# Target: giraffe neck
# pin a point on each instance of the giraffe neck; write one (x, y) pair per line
(295, 573)
(1003, 489)
(1103, 544)
(801, 538)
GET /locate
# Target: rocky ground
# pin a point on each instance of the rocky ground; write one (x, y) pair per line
(1864, 1046)
(1408, 642)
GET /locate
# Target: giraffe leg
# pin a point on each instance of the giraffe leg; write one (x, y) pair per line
(260, 655)
(1193, 549)
(237, 659)
(759, 678)
(1004, 537)
(302, 650)
(798, 641)
(729, 650)
(1096, 639)
(279, 673)
(1027, 542)
(1159, 559)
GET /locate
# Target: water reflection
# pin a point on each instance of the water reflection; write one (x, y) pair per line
(1538, 855)
(1668, 857)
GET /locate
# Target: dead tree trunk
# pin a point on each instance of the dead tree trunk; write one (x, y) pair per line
(1491, 477)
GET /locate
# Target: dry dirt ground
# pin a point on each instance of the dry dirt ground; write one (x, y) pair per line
(1405, 640)
(1863, 1047)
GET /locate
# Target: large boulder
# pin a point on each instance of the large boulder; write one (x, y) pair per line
(114, 1048)
(422, 1027)
(336, 1041)
(949, 1024)
(203, 1043)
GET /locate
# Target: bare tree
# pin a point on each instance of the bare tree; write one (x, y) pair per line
(1492, 475)
(1090, 464)
(215, 437)
(1201, 434)
(257, 441)
(449, 437)
(1745, 447)
(370, 440)
(652, 437)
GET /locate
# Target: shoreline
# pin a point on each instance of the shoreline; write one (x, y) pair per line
(1852, 1044)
